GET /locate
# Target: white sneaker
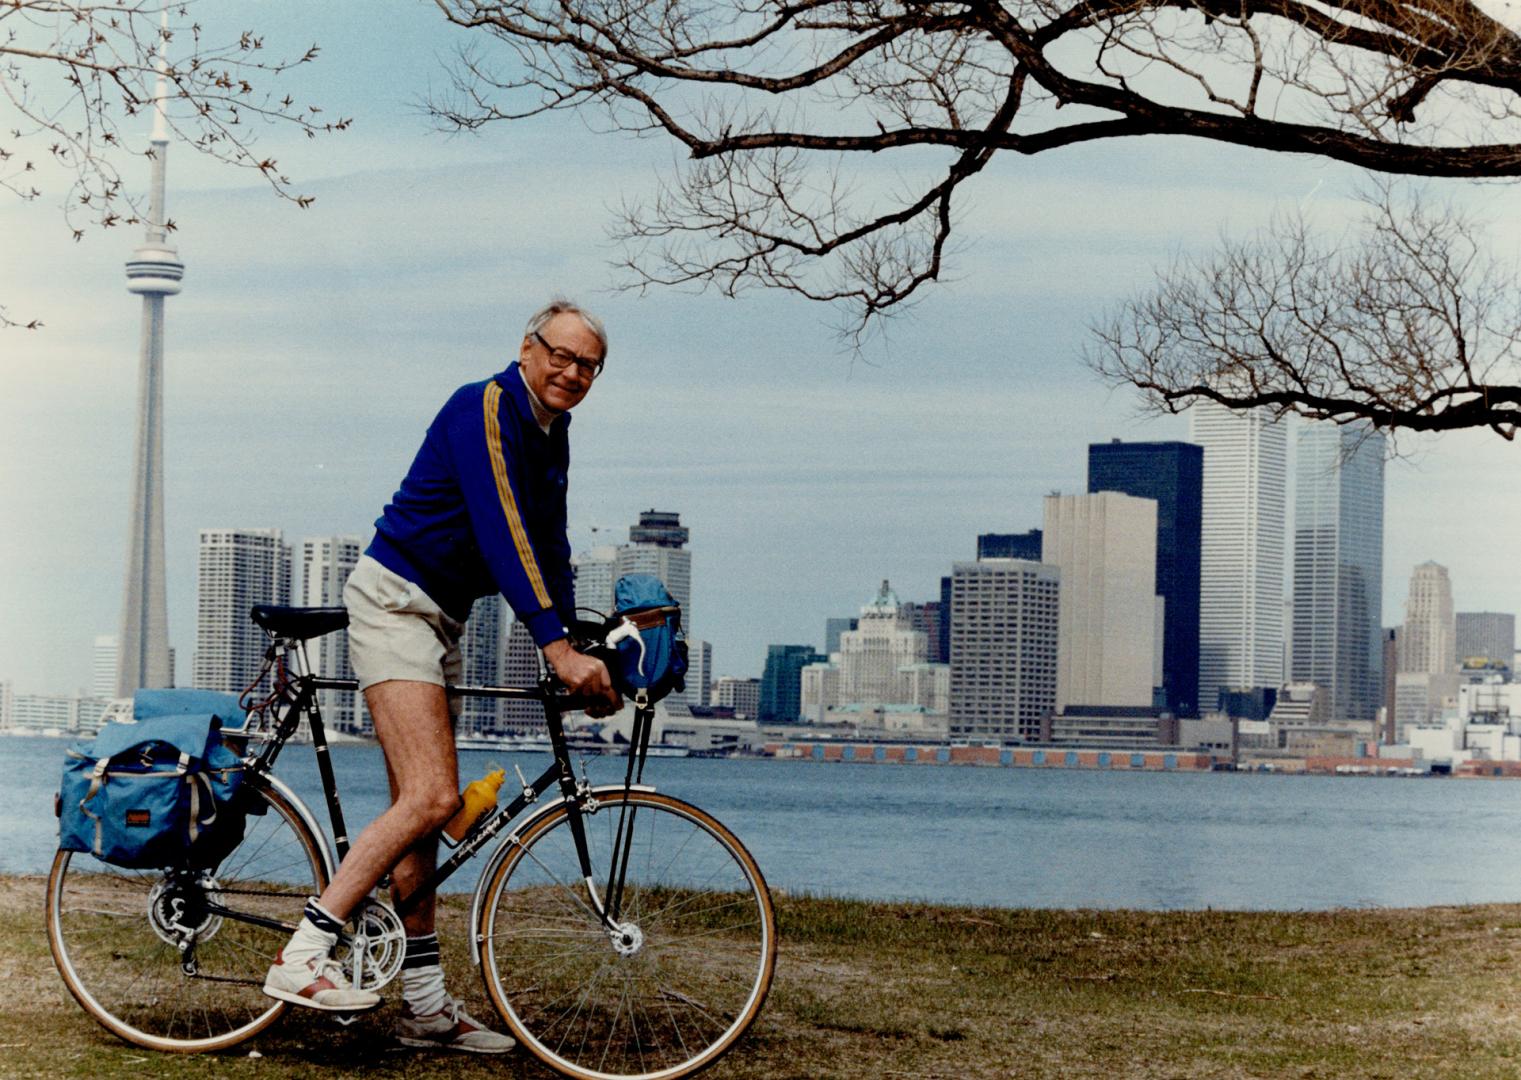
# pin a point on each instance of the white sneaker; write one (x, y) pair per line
(451, 1028)
(317, 983)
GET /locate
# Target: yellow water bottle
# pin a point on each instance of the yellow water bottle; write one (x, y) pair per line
(479, 798)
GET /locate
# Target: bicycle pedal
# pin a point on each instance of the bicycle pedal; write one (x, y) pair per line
(344, 1019)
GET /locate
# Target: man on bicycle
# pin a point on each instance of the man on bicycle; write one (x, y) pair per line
(481, 510)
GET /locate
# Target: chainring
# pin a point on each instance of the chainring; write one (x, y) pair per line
(372, 952)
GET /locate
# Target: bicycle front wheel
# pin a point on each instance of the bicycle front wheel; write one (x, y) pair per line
(116, 934)
(679, 982)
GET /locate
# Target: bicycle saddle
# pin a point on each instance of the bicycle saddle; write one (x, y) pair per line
(299, 623)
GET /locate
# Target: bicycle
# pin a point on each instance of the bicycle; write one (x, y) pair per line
(620, 932)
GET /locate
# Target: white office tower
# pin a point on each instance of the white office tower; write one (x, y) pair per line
(238, 569)
(481, 649)
(818, 691)
(1426, 681)
(1003, 648)
(521, 667)
(657, 545)
(594, 578)
(1339, 566)
(871, 656)
(699, 677)
(1105, 545)
(1427, 642)
(741, 695)
(1490, 635)
(103, 667)
(1241, 643)
(326, 563)
(153, 272)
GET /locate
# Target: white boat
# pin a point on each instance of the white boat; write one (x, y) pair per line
(654, 750)
(491, 742)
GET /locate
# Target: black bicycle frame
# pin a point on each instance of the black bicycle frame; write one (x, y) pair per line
(560, 772)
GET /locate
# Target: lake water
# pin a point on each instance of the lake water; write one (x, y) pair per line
(999, 836)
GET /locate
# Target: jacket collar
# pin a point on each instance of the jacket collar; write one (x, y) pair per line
(511, 380)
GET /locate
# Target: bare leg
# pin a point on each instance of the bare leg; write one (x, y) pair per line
(415, 730)
(413, 870)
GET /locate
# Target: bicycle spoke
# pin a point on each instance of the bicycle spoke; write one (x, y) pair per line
(108, 929)
(679, 982)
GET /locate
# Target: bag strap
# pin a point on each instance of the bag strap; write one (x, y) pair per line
(97, 779)
(645, 618)
(197, 781)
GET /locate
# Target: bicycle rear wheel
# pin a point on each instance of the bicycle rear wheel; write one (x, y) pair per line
(677, 986)
(115, 933)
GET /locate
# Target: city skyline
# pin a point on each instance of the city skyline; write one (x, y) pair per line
(735, 670)
(310, 351)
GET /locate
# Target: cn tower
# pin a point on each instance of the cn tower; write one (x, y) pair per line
(153, 272)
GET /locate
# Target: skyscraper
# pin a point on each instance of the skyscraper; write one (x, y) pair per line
(1339, 566)
(103, 669)
(942, 655)
(741, 695)
(1172, 474)
(1490, 634)
(871, 655)
(1241, 549)
(833, 628)
(781, 682)
(927, 617)
(1003, 619)
(1390, 641)
(1025, 545)
(1426, 642)
(153, 272)
(1105, 546)
(657, 545)
(481, 651)
(238, 569)
(520, 667)
(326, 563)
(699, 677)
(594, 578)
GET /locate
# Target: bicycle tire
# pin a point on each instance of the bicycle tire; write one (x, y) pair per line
(669, 1007)
(107, 931)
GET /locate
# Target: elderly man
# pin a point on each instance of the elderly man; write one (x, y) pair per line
(481, 510)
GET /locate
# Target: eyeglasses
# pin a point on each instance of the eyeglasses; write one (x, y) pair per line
(560, 359)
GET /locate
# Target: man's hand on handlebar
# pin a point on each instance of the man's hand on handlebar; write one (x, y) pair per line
(585, 677)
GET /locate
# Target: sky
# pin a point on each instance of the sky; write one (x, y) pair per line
(309, 350)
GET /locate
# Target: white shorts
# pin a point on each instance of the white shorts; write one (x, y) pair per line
(396, 631)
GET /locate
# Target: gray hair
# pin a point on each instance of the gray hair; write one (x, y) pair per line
(560, 306)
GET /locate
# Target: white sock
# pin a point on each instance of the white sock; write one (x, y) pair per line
(307, 942)
(311, 939)
(422, 989)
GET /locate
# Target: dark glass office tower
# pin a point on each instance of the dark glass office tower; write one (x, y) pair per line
(1172, 473)
(781, 700)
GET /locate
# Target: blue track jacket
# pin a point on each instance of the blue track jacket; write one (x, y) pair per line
(482, 509)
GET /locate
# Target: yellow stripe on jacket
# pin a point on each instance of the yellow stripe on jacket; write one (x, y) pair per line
(504, 493)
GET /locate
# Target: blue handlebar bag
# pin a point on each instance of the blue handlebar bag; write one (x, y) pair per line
(653, 663)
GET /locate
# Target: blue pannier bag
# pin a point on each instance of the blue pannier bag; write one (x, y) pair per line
(652, 651)
(157, 792)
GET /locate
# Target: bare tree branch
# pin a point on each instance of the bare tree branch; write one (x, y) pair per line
(785, 109)
(1408, 324)
(73, 75)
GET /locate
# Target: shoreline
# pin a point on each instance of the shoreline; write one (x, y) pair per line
(1027, 756)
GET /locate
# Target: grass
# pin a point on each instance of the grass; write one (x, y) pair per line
(911, 991)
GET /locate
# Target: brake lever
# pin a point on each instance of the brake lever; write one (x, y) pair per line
(625, 630)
